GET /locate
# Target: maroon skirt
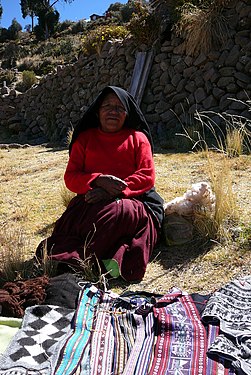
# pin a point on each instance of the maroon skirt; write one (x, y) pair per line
(121, 230)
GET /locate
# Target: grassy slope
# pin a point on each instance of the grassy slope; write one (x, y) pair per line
(30, 202)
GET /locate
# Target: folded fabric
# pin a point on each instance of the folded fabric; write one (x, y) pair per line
(42, 331)
(230, 308)
(63, 290)
(8, 328)
(78, 340)
(239, 357)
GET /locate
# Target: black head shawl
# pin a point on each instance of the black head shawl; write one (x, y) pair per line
(135, 118)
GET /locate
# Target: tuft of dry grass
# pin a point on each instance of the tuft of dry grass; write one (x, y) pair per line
(214, 226)
(16, 259)
(228, 145)
(69, 136)
(203, 28)
(14, 251)
(238, 135)
(66, 195)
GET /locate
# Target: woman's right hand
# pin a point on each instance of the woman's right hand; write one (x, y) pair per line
(113, 185)
(96, 195)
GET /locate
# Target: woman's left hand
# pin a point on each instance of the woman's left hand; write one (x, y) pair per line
(113, 185)
(96, 195)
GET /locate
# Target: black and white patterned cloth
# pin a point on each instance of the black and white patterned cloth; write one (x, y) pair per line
(31, 351)
(230, 307)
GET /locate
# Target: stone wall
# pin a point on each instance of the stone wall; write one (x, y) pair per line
(177, 87)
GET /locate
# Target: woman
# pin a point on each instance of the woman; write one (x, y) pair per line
(116, 215)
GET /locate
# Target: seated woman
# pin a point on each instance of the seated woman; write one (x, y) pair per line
(116, 215)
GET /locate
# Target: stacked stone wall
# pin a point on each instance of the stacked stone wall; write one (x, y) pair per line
(178, 86)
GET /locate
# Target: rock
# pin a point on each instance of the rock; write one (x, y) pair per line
(242, 77)
(200, 95)
(209, 102)
(5, 90)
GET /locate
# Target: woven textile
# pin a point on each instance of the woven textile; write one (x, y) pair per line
(181, 337)
(230, 308)
(78, 340)
(102, 341)
(220, 366)
(32, 347)
(137, 334)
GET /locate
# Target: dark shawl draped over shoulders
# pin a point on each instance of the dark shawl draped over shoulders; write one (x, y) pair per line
(134, 120)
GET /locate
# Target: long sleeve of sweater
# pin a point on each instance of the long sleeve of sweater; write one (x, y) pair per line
(126, 154)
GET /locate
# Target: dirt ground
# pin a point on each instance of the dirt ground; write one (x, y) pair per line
(31, 185)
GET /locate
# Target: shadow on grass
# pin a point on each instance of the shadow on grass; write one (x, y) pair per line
(46, 231)
(10, 141)
(50, 147)
(180, 255)
(170, 258)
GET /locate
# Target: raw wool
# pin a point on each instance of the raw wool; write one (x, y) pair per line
(199, 197)
(180, 212)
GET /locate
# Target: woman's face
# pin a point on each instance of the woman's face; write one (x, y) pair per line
(112, 114)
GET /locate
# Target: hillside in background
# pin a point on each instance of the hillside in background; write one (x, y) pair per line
(199, 60)
(41, 51)
(41, 57)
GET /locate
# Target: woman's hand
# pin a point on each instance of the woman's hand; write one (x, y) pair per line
(111, 184)
(96, 195)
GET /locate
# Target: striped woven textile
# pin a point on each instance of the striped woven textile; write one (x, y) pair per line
(181, 337)
(102, 342)
(219, 367)
(164, 336)
(76, 343)
(132, 334)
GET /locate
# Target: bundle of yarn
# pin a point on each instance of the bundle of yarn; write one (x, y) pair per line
(16, 296)
(199, 198)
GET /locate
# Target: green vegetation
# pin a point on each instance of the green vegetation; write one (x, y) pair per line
(7, 76)
(144, 25)
(29, 78)
(26, 81)
(48, 16)
(200, 23)
(94, 41)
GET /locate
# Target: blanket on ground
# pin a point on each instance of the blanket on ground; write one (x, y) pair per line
(43, 329)
(8, 328)
(230, 308)
(107, 334)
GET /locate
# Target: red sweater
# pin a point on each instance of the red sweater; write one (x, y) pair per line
(126, 154)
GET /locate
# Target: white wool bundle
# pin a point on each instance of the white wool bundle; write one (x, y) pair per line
(200, 196)
(179, 205)
(201, 193)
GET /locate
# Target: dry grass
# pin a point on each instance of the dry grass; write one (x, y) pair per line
(31, 201)
(66, 195)
(203, 28)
